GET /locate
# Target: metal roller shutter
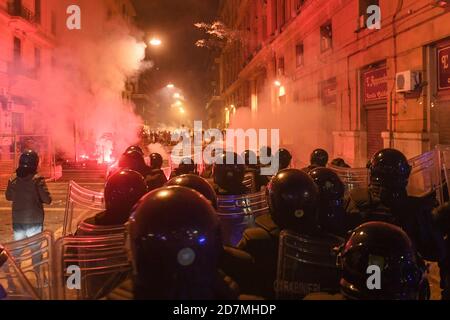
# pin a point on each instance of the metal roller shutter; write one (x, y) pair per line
(376, 123)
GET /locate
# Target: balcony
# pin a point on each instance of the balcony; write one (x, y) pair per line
(22, 18)
(22, 12)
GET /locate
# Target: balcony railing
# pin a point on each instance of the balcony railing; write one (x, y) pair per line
(21, 11)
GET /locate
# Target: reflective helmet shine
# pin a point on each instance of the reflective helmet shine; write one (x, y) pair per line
(175, 245)
(122, 191)
(229, 175)
(319, 157)
(292, 197)
(386, 249)
(197, 183)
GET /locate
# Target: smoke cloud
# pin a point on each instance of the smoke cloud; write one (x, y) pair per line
(80, 93)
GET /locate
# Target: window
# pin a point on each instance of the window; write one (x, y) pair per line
(363, 5)
(17, 51)
(326, 37)
(37, 11)
(37, 58)
(299, 54)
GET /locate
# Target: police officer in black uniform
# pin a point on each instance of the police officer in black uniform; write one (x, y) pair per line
(156, 178)
(228, 177)
(263, 180)
(284, 158)
(175, 245)
(122, 191)
(134, 160)
(135, 148)
(386, 199)
(384, 248)
(332, 214)
(441, 217)
(319, 158)
(196, 183)
(251, 168)
(186, 166)
(292, 197)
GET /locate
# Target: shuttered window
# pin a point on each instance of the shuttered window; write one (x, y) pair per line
(376, 122)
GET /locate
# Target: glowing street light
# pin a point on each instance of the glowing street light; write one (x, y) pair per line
(170, 86)
(277, 83)
(176, 96)
(178, 103)
(182, 110)
(155, 42)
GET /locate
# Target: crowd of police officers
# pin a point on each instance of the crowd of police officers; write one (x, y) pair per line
(177, 248)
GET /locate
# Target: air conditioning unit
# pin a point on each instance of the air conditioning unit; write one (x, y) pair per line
(407, 81)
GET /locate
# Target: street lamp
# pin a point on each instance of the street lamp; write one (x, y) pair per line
(170, 86)
(155, 42)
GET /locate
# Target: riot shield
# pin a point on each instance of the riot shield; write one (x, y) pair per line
(424, 177)
(34, 256)
(13, 281)
(237, 213)
(91, 267)
(87, 229)
(353, 178)
(306, 264)
(444, 172)
(81, 204)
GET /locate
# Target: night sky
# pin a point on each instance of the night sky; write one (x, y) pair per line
(178, 60)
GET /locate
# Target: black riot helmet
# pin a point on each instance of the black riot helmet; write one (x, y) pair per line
(29, 160)
(197, 183)
(229, 175)
(292, 197)
(331, 199)
(156, 161)
(319, 158)
(389, 172)
(250, 158)
(122, 191)
(135, 148)
(133, 160)
(386, 248)
(186, 166)
(175, 245)
(284, 158)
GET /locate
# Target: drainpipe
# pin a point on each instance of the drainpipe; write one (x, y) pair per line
(391, 103)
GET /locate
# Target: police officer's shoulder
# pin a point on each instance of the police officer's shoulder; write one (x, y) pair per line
(13, 178)
(359, 196)
(441, 217)
(324, 296)
(38, 178)
(265, 222)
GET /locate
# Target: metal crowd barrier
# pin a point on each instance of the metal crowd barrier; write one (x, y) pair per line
(81, 203)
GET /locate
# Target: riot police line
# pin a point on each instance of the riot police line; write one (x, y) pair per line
(302, 234)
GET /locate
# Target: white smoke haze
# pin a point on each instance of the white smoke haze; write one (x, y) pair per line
(303, 126)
